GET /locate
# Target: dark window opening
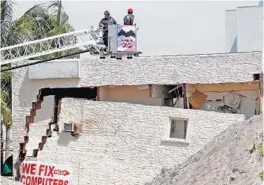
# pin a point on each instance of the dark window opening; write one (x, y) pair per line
(71, 92)
(175, 91)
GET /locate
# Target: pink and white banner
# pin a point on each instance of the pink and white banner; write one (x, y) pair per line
(126, 38)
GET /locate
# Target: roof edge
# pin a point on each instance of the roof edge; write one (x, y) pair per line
(204, 54)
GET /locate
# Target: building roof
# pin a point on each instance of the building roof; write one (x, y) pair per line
(200, 68)
(192, 69)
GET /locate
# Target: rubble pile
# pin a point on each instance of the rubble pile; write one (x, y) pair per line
(234, 157)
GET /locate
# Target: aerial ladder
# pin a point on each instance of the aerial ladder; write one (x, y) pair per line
(87, 40)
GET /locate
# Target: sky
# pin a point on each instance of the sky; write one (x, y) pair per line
(165, 27)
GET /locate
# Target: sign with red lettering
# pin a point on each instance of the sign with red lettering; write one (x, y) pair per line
(38, 173)
(126, 38)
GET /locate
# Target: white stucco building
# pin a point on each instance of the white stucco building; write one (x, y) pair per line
(244, 29)
(149, 113)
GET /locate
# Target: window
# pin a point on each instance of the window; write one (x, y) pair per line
(256, 76)
(178, 128)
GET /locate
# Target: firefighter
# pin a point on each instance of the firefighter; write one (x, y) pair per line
(104, 23)
(129, 18)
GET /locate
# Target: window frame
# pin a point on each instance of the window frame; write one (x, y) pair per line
(175, 119)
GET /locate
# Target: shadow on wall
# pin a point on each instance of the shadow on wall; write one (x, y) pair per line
(29, 90)
(260, 3)
(234, 46)
(65, 138)
(174, 143)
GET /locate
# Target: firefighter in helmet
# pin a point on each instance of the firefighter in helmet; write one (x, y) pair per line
(129, 18)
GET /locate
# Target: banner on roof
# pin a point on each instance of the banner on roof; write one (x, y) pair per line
(39, 173)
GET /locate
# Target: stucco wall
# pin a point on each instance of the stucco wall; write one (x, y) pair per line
(125, 143)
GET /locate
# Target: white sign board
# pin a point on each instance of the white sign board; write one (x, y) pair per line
(54, 69)
(39, 173)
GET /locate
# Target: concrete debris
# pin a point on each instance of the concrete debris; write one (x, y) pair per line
(232, 158)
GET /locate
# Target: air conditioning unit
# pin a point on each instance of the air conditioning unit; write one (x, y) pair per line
(69, 127)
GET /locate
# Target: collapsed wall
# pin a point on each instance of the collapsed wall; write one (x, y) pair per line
(231, 158)
(213, 68)
(125, 143)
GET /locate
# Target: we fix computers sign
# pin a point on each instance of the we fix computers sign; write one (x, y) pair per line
(38, 173)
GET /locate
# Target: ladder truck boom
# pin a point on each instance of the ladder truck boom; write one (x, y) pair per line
(87, 40)
(83, 39)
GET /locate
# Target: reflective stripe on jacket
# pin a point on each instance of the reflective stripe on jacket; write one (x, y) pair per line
(129, 19)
